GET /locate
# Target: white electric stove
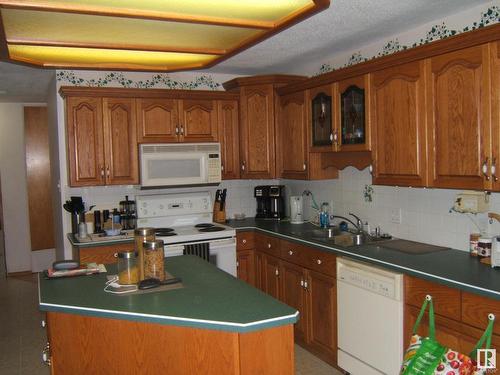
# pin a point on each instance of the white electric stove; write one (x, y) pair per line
(184, 222)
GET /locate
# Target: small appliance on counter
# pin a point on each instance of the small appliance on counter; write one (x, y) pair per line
(127, 213)
(270, 202)
(296, 209)
(495, 252)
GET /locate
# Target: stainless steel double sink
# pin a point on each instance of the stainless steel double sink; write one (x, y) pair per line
(337, 237)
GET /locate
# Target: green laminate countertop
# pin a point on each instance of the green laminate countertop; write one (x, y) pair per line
(211, 299)
(451, 267)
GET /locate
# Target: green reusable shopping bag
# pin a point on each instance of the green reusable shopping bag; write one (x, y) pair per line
(425, 356)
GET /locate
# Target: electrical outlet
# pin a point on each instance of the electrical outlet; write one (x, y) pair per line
(395, 215)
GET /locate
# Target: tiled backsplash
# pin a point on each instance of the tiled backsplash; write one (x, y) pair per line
(425, 213)
(239, 197)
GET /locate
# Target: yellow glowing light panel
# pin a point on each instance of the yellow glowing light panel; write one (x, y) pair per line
(159, 35)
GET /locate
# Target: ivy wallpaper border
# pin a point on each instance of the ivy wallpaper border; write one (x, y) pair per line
(437, 32)
(159, 80)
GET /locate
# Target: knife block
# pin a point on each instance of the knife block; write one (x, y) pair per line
(219, 216)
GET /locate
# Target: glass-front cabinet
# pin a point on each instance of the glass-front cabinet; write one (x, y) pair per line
(352, 132)
(321, 115)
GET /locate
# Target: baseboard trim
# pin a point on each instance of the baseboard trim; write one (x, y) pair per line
(20, 273)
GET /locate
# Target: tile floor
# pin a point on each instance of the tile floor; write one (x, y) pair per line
(22, 338)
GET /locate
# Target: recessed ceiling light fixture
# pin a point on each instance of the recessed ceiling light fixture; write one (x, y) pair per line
(155, 35)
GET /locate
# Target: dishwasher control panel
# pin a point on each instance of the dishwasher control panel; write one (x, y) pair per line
(376, 280)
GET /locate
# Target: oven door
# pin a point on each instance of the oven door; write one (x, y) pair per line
(222, 252)
(174, 169)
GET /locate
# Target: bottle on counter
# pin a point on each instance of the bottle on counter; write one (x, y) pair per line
(154, 266)
(473, 242)
(484, 247)
(324, 216)
(142, 235)
(128, 270)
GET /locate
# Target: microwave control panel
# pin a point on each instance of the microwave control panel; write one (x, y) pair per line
(214, 168)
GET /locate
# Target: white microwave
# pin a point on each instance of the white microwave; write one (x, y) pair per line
(179, 164)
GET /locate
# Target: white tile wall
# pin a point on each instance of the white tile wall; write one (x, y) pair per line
(425, 212)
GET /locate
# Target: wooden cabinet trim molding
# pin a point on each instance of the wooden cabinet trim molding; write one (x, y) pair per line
(119, 92)
(454, 43)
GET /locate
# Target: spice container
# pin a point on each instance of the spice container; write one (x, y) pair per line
(153, 260)
(128, 271)
(473, 241)
(484, 247)
(141, 235)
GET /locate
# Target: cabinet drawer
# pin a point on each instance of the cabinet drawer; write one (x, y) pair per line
(267, 244)
(103, 254)
(475, 310)
(319, 261)
(292, 252)
(446, 300)
(245, 240)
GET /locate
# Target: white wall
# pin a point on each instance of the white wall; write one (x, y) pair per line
(14, 188)
(425, 213)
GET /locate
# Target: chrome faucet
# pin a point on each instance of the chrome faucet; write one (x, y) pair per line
(358, 224)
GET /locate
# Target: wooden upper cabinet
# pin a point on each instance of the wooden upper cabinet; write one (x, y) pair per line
(292, 137)
(397, 116)
(85, 139)
(458, 118)
(257, 152)
(198, 120)
(227, 112)
(352, 123)
(495, 115)
(157, 120)
(321, 112)
(120, 146)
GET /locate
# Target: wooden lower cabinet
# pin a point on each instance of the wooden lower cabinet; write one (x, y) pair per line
(293, 293)
(100, 254)
(460, 317)
(270, 276)
(245, 266)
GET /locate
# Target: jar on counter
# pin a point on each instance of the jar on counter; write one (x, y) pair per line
(473, 241)
(484, 247)
(128, 270)
(140, 236)
(154, 266)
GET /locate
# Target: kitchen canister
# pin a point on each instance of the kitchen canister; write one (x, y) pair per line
(154, 266)
(484, 247)
(128, 270)
(140, 236)
(473, 242)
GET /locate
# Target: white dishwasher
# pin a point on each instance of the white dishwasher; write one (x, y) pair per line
(369, 319)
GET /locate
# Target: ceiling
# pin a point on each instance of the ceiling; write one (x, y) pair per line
(344, 26)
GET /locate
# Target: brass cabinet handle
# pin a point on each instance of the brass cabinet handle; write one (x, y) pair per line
(301, 283)
(277, 272)
(493, 169)
(319, 261)
(244, 241)
(107, 171)
(268, 245)
(43, 324)
(290, 252)
(305, 285)
(485, 169)
(102, 172)
(182, 130)
(335, 137)
(222, 167)
(243, 165)
(331, 137)
(304, 166)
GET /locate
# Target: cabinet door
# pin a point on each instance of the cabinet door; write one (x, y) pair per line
(293, 293)
(85, 134)
(227, 112)
(198, 122)
(259, 270)
(352, 120)
(458, 118)
(321, 112)
(322, 293)
(292, 137)
(246, 266)
(270, 276)
(398, 119)
(120, 145)
(495, 115)
(257, 154)
(157, 120)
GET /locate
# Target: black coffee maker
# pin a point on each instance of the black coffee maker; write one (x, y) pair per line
(270, 201)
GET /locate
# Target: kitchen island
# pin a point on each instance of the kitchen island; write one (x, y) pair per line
(214, 324)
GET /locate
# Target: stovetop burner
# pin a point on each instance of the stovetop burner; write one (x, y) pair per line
(211, 229)
(165, 232)
(204, 225)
